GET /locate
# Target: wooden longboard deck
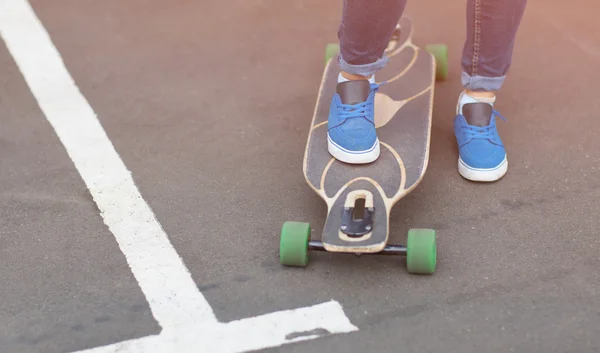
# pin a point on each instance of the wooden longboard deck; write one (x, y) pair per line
(403, 111)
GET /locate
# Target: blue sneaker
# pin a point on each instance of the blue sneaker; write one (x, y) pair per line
(351, 133)
(482, 156)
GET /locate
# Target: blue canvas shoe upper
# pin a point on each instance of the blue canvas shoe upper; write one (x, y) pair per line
(479, 143)
(351, 123)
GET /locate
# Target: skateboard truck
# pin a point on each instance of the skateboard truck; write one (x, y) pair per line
(399, 250)
(357, 227)
(357, 215)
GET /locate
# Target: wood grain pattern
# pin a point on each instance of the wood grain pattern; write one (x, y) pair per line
(403, 109)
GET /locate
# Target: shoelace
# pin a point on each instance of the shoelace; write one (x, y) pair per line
(349, 111)
(481, 132)
(358, 110)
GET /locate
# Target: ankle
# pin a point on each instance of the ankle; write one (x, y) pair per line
(481, 94)
(353, 77)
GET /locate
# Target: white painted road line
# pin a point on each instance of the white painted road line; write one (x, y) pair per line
(162, 276)
(239, 336)
(273, 329)
(188, 322)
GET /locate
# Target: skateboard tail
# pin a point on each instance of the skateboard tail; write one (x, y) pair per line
(357, 219)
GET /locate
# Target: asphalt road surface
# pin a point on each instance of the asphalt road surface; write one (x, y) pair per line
(208, 106)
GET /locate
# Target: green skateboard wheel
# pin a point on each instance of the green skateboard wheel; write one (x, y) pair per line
(293, 245)
(421, 251)
(440, 53)
(331, 50)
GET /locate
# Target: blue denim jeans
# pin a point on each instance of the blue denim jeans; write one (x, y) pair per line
(487, 53)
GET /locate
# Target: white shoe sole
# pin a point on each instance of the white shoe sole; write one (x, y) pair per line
(482, 174)
(353, 157)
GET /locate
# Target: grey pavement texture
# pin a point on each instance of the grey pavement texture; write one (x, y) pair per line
(209, 105)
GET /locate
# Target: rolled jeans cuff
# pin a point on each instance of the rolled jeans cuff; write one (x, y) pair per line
(481, 83)
(366, 70)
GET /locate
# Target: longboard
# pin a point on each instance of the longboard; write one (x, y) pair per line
(359, 198)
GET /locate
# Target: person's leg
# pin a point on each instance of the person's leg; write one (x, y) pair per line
(487, 54)
(364, 34)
